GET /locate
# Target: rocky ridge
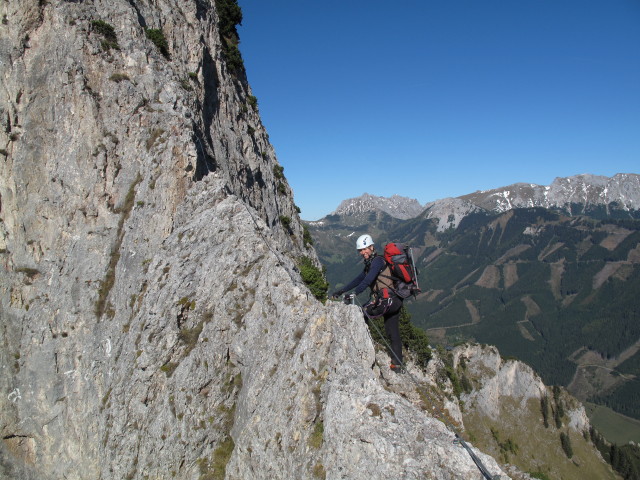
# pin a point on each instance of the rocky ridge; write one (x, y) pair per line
(154, 322)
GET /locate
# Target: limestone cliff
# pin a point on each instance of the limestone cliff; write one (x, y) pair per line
(154, 324)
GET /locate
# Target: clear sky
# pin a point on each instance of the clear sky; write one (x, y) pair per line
(433, 99)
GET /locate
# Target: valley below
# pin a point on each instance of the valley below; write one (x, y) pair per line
(556, 288)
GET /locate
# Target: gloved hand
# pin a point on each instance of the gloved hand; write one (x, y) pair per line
(337, 293)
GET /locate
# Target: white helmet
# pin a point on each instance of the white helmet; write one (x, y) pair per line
(364, 241)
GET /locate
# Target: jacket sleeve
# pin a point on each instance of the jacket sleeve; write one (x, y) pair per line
(377, 265)
(353, 283)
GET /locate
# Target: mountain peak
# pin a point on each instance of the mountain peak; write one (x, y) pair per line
(396, 206)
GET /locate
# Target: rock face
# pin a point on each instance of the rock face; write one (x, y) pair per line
(154, 323)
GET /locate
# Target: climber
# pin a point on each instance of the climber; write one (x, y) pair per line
(384, 302)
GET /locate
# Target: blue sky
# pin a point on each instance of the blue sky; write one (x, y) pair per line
(433, 99)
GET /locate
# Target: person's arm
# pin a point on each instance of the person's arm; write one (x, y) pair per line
(377, 265)
(352, 284)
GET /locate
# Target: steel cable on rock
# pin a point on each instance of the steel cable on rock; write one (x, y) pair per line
(275, 252)
(458, 440)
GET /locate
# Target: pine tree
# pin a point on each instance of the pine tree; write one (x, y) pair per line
(544, 406)
(565, 441)
(414, 339)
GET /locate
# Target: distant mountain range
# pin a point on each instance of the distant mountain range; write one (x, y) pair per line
(594, 195)
(621, 190)
(549, 274)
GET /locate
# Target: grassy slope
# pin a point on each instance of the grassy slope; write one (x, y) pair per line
(538, 448)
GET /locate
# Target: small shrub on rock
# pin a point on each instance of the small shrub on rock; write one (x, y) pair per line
(108, 33)
(159, 40)
(314, 278)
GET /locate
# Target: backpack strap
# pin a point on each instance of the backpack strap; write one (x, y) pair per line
(384, 285)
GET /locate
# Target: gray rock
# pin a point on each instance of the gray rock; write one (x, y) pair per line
(154, 323)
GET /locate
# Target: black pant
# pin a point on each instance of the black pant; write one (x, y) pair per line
(391, 314)
(392, 327)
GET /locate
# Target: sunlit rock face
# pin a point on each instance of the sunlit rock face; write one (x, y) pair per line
(154, 323)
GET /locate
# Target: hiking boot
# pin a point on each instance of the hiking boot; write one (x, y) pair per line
(397, 368)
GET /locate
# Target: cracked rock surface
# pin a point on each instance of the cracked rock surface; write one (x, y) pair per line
(154, 323)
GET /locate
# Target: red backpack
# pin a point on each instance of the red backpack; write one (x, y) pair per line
(399, 258)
